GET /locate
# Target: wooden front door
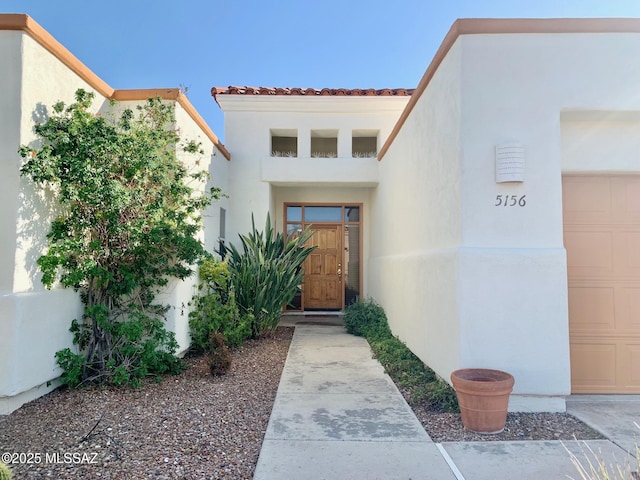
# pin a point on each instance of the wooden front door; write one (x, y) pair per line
(322, 287)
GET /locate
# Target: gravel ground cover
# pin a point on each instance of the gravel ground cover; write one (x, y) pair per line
(194, 426)
(191, 426)
(447, 427)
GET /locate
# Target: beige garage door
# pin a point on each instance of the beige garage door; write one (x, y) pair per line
(602, 238)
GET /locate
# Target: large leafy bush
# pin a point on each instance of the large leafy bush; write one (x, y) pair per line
(267, 273)
(129, 223)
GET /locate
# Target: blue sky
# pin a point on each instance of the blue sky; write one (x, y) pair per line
(286, 43)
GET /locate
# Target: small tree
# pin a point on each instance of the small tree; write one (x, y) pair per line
(129, 223)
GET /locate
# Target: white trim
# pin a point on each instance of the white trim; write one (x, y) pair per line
(449, 460)
(322, 103)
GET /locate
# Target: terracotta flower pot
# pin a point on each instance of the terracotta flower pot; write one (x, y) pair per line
(483, 396)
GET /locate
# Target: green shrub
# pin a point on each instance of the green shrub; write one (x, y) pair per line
(215, 309)
(366, 318)
(401, 363)
(140, 347)
(437, 395)
(267, 273)
(215, 277)
(5, 472)
(210, 315)
(72, 365)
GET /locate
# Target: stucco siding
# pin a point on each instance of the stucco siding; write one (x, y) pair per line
(497, 296)
(512, 288)
(38, 319)
(178, 294)
(253, 172)
(35, 320)
(45, 81)
(512, 315)
(10, 110)
(601, 142)
(515, 89)
(415, 224)
(247, 138)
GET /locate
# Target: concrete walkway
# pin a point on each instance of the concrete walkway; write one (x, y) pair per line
(337, 415)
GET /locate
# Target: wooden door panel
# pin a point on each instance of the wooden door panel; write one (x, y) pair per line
(332, 290)
(313, 288)
(330, 263)
(314, 266)
(322, 286)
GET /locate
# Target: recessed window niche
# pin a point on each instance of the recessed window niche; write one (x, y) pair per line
(284, 142)
(364, 143)
(324, 143)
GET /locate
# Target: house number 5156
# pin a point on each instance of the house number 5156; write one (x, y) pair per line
(510, 201)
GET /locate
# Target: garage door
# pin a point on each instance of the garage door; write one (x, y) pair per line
(602, 238)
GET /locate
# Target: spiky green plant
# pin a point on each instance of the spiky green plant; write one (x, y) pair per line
(5, 472)
(267, 273)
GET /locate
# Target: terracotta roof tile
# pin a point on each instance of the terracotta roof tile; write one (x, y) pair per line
(312, 92)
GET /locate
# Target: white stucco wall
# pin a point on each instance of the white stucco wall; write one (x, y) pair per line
(219, 171)
(246, 140)
(35, 321)
(349, 172)
(178, 294)
(509, 272)
(600, 142)
(10, 81)
(416, 223)
(558, 73)
(253, 172)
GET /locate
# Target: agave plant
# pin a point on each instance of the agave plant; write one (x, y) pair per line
(267, 273)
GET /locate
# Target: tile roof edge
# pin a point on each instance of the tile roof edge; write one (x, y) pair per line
(310, 92)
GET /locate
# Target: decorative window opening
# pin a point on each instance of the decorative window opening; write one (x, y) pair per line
(284, 143)
(364, 144)
(324, 143)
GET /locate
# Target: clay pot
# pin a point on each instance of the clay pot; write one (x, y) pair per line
(483, 396)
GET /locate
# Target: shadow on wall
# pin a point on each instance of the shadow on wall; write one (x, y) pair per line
(37, 208)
